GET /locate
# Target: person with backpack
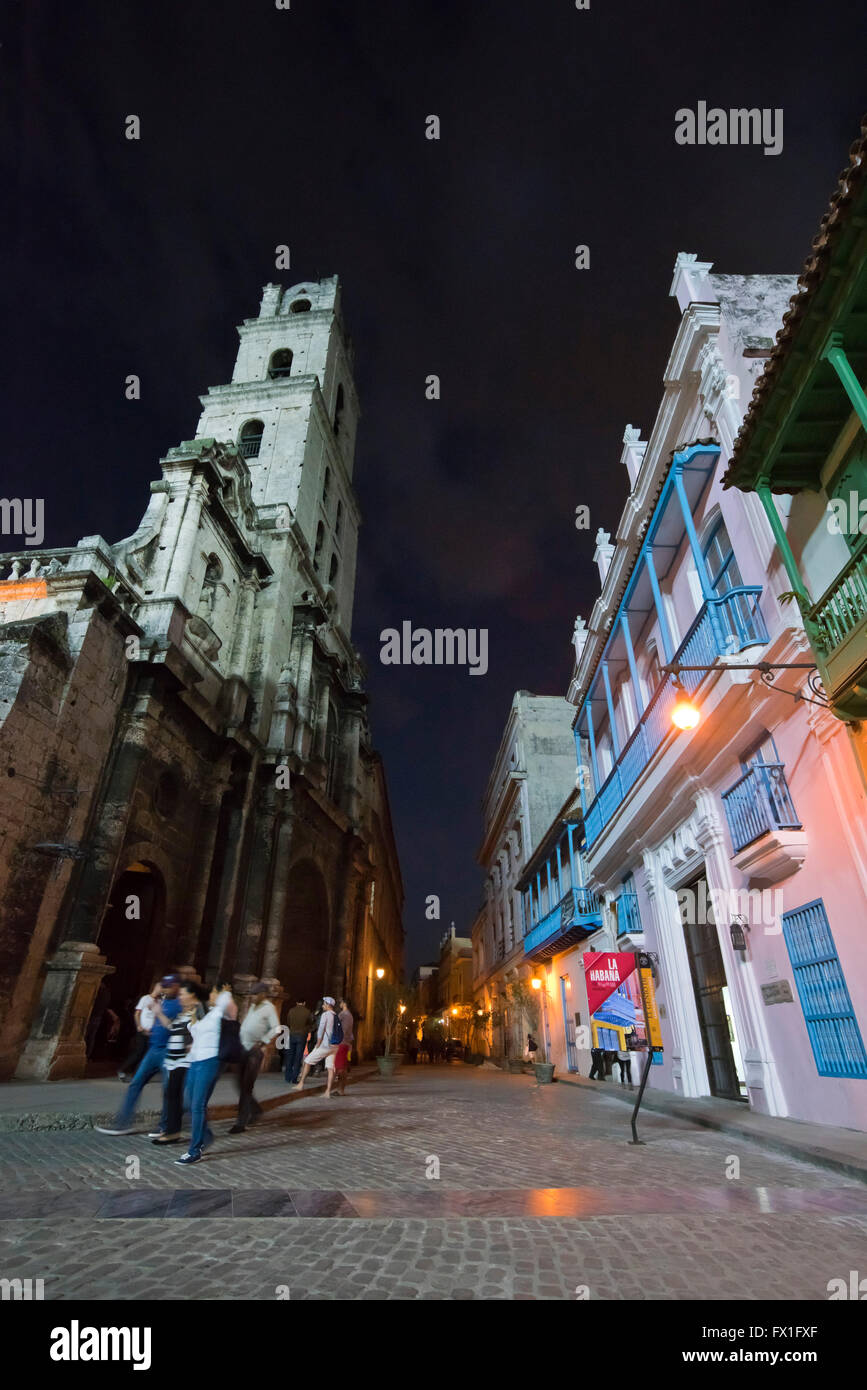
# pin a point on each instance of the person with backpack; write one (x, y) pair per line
(329, 1036)
(532, 1047)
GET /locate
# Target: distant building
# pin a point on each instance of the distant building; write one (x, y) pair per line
(424, 983)
(533, 771)
(455, 974)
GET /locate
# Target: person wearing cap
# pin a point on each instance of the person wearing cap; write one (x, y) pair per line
(324, 1048)
(152, 1062)
(259, 1028)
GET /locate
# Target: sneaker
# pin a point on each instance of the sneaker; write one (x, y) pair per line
(155, 1134)
(108, 1129)
(122, 1076)
(187, 1159)
(166, 1139)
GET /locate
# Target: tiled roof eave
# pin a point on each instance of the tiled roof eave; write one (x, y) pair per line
(851, 186)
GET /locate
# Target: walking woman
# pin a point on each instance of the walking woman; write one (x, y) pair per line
(204, 1059)
(177, 1062)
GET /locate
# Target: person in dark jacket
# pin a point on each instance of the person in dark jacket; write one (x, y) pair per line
(300, 1022)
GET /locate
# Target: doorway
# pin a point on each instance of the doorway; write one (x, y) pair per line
(303, 960)
(719, 1039)
(568, 1024)
(130, 939)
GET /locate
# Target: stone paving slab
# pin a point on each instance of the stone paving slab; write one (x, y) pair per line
(663, 1257)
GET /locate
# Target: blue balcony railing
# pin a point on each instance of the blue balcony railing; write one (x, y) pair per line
(578, 909)
(758, 802)
(724, 625)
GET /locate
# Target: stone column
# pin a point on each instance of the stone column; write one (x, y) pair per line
(276, 917)
(229, 906)
(354, 868)
(55, 1048)
(262, 859)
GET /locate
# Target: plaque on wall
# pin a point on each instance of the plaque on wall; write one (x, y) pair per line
(777, 992)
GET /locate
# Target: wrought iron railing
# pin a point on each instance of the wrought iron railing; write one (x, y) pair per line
(250, 447)
(843, 606)
(758, 802)
(723, 626)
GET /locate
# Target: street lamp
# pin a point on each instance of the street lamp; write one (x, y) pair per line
(536, 983)
(380, 973)
(685, 715)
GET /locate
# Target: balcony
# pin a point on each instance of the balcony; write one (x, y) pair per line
(723, 626)
(628, 917)
(767, 838)
(576, 916)
(838, 627)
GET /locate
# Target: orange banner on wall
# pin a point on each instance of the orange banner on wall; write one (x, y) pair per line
(23, 589)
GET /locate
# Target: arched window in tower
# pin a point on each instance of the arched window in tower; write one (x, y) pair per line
(281, 364)
(338, 520)
(339, 403)
(299, 306)
(326, 485)
(332, 570)
(250, 438)
(320, 537)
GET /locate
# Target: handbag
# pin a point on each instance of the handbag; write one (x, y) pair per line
(230, 1040)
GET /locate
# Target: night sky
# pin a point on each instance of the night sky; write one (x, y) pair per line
(307, 127)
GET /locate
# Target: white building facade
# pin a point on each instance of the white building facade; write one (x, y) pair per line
(735, 853)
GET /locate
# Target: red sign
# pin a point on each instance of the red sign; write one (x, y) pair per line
(604, 971)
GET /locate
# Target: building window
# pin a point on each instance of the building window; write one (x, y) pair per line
(339, 403)
(281, 364)
(326, 485)
(719, 560)
(299, 306)
(332, 570)
(832, 1027)
(338, 522)
(320, 537)
(250, 438)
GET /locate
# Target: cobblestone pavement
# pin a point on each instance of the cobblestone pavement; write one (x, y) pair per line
(539, 1195)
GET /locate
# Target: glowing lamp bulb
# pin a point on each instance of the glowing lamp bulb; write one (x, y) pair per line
(685, 714)
(537, 984)
(380, 972)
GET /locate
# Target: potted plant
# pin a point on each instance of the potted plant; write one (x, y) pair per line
(388, 1010)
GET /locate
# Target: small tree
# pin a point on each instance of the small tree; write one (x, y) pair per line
(388, 1000)
(525, 1006)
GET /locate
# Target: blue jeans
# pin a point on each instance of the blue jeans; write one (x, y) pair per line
(294, 1057)
(201, 1080)
(150, 1064)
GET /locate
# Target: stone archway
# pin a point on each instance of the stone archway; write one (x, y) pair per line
(304, 944)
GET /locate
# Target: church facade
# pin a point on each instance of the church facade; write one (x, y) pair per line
(190, 782)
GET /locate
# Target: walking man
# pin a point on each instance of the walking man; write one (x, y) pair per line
(258, 1030)
(300, 1021)
(324, 1048)
(151, 1063)
(144, 1018)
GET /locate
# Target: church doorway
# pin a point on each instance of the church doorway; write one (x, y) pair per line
(303, 957)
(131, 939)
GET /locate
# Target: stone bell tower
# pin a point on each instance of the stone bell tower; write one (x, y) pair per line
(292, 409)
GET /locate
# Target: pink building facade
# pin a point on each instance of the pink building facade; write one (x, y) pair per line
(735, 852)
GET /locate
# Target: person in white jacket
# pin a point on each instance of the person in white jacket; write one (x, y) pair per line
(204, 1057)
